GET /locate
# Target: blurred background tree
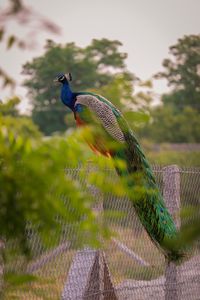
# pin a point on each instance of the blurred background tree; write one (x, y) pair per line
(169, 126)
(177, 120)
(100, 67)
(94, 67)
(17, 123)
(182, 72)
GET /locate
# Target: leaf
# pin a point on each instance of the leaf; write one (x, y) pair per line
(138, 117)
(8, 81)
(18, 279)
(11, 40)
(1, 33)
(147, 83)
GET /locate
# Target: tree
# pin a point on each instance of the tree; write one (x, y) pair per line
(176, 120)
(119, 90)
(182, 72)
(92, 67)
(18, 124)
(166, 125)
(9, 108)
(35, 183)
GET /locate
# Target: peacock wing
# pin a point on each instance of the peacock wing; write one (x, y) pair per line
(94, 111)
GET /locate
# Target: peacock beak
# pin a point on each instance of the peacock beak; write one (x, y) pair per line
(55, 80)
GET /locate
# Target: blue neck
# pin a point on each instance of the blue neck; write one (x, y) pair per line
(67, 96)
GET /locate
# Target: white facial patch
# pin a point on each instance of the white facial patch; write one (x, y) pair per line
(68, 76)
(61, 78)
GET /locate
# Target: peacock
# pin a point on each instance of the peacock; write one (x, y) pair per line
(111, 129)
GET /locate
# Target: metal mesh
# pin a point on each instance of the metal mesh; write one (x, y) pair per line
(128, 266)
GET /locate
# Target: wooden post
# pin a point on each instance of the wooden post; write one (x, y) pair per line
(171, 193)
(79, 274)
(89, 278)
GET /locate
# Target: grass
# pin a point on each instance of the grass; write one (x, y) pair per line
(52, 276)
(123, 267)
(169, 157)
(49, 283)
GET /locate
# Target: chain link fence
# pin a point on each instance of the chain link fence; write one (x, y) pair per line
(128, 266)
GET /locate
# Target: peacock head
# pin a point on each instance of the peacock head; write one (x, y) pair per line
(61, 78)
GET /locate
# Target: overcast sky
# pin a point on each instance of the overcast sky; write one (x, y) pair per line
(146, 29)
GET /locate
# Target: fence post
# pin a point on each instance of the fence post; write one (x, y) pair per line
(171, 193)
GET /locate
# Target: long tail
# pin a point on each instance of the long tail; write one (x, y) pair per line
(147, 199)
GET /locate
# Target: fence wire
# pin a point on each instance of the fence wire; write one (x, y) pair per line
(128, 266)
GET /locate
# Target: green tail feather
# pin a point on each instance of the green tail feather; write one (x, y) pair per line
(146, 197)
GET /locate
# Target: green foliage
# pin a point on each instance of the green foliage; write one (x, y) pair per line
(105, 53)
(32, 174)
(163, 154)
(182, 72)
(189, 233)
(19, 279)
(38, 193)
(93, 67)
(7, 79)
(134, 106)
(177, 119)
(169, 157)
(18, 124)
(11, 41)
(21, 125)
(168, 125)
(10, 107)
(119, 90)
(34, 181)
(35, 184)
